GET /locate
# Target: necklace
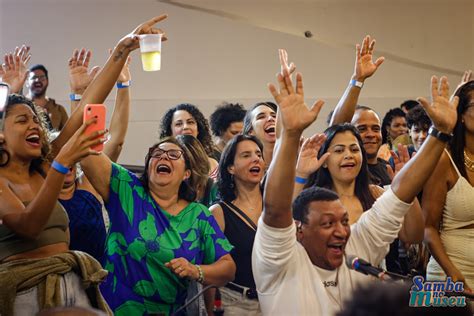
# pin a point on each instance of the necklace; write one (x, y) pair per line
(468, 162)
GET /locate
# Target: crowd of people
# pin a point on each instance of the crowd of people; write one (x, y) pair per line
(242, 207)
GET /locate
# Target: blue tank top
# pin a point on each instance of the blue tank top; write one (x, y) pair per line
(86, 223)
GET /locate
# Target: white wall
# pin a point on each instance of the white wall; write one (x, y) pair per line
(209, 59)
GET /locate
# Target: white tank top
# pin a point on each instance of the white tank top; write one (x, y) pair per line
(459, 205)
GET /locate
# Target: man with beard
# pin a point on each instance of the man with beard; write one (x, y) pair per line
(37, 85)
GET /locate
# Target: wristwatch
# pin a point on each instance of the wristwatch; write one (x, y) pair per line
(440, 135)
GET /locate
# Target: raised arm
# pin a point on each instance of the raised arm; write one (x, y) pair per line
(411, 178)
(119, 122)
(79, 75)
(308, 161)
(294, 116)
(98, 169)
(15, 68)
(364, 68)
(100, 87)
(29, 221)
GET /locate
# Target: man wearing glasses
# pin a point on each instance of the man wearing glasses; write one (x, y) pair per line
(37, 85)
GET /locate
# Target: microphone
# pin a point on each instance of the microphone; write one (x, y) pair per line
(362, 266)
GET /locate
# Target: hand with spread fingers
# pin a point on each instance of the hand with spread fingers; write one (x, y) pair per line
(365, 66)
(466, 77)
(293, 112)
(442, 110)
(131, 42)
(79, 75)
(308, 161)
(15, 68)
(183, 268)
(400, 158)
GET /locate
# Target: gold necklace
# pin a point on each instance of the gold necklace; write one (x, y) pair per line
(468, 162)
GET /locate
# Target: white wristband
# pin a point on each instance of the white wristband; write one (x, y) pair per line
(356, 83)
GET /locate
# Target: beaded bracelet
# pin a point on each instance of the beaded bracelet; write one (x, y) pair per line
(201, 274)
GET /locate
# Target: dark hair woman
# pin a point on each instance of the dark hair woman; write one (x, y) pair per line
(448, 201)
(34, 235)
(241, 169)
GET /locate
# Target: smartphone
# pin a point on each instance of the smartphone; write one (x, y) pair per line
(95, 110)
(4, 91)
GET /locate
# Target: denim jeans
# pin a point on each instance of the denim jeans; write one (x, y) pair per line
(72, 294)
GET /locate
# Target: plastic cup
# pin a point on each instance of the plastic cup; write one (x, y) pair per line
(150, 49)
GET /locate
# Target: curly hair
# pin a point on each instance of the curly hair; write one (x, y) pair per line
(224, 116)
(204, 135)
(36, 164)
(249, 115)
(224, 180)
(322, 177)
(387, 120)
(418, 117)
(186, 192)
(458, 142)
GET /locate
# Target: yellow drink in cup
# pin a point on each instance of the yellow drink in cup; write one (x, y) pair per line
(151, 61)
(150, 49)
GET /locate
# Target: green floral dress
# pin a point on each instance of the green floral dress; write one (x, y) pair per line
(143, 238)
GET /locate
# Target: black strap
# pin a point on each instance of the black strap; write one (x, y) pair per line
(237, 210)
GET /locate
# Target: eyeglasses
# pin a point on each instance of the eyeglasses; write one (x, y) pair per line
(39, 78)
(172, 154)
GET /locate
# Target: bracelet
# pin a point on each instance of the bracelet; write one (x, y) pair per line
(126, 84)
(356, 83)
(301, 180)
(440, 135)
(59, 167)
(75, 97)
(201, 274)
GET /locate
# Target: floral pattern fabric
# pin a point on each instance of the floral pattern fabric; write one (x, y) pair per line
(143, 238)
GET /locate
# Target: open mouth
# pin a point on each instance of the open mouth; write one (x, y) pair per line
(163, 169)
(33, 139)
(270, 130)
(337, 248)
(255, 171)
(348, 165)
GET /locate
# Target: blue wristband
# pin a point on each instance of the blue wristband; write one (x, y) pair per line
(301, 180)
(126, 84)
(75, 97)
(59, 167)
(356, 83)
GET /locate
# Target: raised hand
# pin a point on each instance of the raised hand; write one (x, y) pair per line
(79, 145)
(131, 42)
(442, 110)
(308, 161)
(15, 68)
(285, 68)
(293, 112)
(466, 77)
(364, 64)
(79, 75)
(400, 158)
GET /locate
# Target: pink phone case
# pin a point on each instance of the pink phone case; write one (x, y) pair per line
(91, 110)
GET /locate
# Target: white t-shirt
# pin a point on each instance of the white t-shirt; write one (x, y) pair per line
(289, 284)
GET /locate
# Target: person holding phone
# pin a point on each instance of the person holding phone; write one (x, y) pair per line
(159, 238)
(88, 220)
(34, 235)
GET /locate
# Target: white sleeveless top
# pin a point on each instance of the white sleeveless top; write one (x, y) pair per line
(458, 208)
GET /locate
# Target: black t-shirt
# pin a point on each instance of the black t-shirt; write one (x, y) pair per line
(379, 172)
